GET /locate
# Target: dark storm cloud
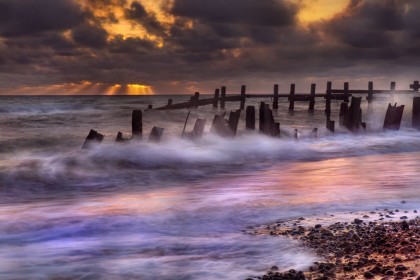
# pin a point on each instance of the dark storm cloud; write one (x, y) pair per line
(148, 20)
(26, 17)
(249, 12)
(90, 36)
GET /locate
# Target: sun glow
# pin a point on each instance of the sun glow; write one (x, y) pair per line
(315, 10)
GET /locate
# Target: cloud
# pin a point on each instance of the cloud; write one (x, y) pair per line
(148, 20)
(88, 35)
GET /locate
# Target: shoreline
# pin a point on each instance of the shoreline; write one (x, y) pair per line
(382, 244)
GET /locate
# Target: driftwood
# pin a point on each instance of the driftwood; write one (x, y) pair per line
(93, 138)
(393, 117)
(156, 134)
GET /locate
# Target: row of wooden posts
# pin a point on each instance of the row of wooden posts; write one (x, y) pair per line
(349, 117)
(344, 94)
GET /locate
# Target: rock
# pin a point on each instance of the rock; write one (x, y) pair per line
(405, 226)
(401, 267)
(389, 272)
(358, 221)
(404, 218)
(274, 268)
(368, 275)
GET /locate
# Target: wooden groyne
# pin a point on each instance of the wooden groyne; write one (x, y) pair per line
(350, 116)
(344, 94)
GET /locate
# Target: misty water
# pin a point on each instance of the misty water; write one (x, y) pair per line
(176, 210)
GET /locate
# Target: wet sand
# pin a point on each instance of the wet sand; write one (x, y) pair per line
(374, 245)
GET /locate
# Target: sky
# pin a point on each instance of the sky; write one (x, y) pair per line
(183, 46)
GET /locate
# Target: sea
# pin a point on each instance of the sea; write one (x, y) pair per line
(178, 209)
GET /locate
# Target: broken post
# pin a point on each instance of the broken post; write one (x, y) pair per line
(328, 100)
(370, 92)
(312, 98)
(92, 138)
(169, 102)
(137, 124)
(222, 98)
(292, 97)
(393, 117)
(220, 127)
(415, 86)
(353, 116)
(250, 117)
(216, 98)
(276, 97)
(120, 138)
(156, 134)
(416, 112)
(330, 125)
(197, 131)
(275, 129)
(243, 91)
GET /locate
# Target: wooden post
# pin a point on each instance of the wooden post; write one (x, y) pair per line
(196, 99)
(343, 111)
(220, 127)
(197, 131)
(314, 133)
(137, 124)
(353, 116)
(250, 117)
(169, 102)
(222, 98)
(296, 133)
(119, 137)
(276, 97)
(416, 112)
(292, 97)
(261, 119)
(346, 92)
(234, 121)
(156, 134)
(92, 138)
(370, 92)
(268, 119)
(393, 117)
(312, 99)
(415, 86)
(243, 91)
(328, 100)
(392, 89)
(275, 129)
(216, 98)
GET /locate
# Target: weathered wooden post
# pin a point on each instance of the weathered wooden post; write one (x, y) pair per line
(296, 133)
(353, 116)
(216, 98)
(416, 112)
(196, 99)
(262, 115)
(268, 119)
(346, 92)
(119, 137)
(197, 131)
(169, 102)
(314, 133)
(243, 91)
(234, 121)
(370, 92)
(312, 99)
(137, 124)
(343, 111)
(328, 100)
(156, 134)
(276, 97)
(292, 97)
(393, 117)
(250, 117)
(220, 127)
(222, 98)
(275, 129)
(92, 138)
